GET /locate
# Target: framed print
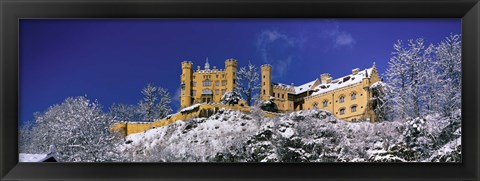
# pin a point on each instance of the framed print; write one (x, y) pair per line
(240, 90)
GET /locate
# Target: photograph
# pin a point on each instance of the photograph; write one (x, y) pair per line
(240, 90)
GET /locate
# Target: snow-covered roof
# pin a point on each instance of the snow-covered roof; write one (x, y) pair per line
(27, 157)
(342, 82)
(303, 88)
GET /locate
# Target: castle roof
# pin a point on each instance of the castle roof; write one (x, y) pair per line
(304, 87)
(342, 82)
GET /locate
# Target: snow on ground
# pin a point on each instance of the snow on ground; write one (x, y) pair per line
(303, 136)
(25, 157)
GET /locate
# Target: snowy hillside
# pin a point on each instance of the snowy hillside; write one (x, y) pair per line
(304, 136)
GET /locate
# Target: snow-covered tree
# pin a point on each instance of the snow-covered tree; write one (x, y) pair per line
(124, 112)
(155, 103)
(248, 81)
(396, 76)
(231, 98)
(269, 105)
(78, 129)
(378, 100)
(448, 63)
(25, 135)
(412, 80)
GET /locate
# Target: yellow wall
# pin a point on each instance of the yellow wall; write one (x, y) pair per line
(266, 84)
(222, 81)
(185, 81)
(334, 104)
(281, 98)
(127, 128)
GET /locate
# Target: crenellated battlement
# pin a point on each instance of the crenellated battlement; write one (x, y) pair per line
(187, 64)
(231, 62)
(266, 66)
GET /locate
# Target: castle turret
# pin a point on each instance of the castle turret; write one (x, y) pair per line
(186, 84)
(266, 89)
(230, 71)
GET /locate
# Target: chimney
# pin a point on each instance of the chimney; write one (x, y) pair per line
(355, 71)
(325, 78)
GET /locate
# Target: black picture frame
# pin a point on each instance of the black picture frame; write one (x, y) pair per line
(12, 10)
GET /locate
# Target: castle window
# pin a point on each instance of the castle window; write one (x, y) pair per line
(278, 95)
(263, 83)
(224, 82)
(217, 76)
(342, 99)
(216, 92)
(216, 83)
(354, 108)
(263, 76)
(315, 105)
(264, 92)
(207, 83)
(283, 96)
(325, 103)
(354, 96)
(223, 75)
(233, 81)
(193, 92)
(223, 91)
(194, 84)
(342, 111)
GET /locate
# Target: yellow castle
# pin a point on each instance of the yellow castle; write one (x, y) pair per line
(346, 97)
(208, 84)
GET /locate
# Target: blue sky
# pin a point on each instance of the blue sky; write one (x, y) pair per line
(111, 60)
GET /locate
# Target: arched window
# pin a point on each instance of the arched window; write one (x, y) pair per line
(354, 108)
(342, 110)
(315, 105)
(353, 95)
(207, 91)
(342, 99)
(325, 103)
(264, 92)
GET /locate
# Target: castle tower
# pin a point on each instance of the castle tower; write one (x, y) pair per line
(266, 89)
(186, 84)
(230, 71)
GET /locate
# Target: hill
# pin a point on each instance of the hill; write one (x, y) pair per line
(303, 136)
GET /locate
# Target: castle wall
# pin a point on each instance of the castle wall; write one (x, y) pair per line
(218, 84)
(207, 85)
(281, 99)
(335, 105)
(204, 110)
